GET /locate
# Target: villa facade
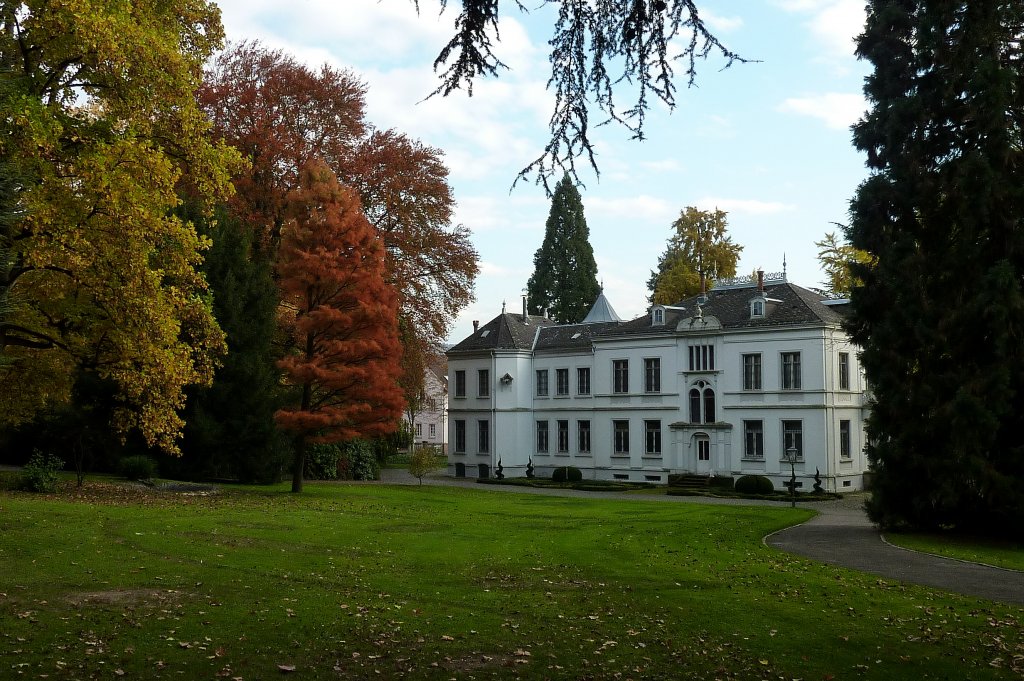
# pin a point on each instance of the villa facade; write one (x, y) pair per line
(719, 384)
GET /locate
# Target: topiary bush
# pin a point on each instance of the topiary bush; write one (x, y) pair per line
(360, 460)
(754, 484)
(39, 474)
(721, 482)
(322, 461)
(137, 468)
(567, 474)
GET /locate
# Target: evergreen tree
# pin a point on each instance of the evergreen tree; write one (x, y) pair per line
(230, 430)
(940, 316)
(698, 252)
(564, 276)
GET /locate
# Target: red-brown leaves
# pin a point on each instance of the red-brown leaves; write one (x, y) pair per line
(331, 268)
(279, 113)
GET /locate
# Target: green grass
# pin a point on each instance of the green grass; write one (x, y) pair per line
(1001, 553)
(371, 581)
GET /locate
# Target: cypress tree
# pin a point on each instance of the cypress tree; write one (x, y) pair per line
(230, 430)
(564, 276)
(940, 315)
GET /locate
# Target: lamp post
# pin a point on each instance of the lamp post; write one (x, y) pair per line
(791, 458)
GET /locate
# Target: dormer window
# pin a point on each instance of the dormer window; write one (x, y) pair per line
(658, 316)
(757, 308)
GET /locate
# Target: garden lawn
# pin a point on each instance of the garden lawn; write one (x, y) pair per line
(371, 581)
(1001, 553)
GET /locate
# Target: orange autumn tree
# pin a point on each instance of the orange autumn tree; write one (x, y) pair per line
(347, 357)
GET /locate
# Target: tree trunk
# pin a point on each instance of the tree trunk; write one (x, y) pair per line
(298, 464)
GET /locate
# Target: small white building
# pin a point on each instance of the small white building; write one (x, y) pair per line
(719, 384)
(429, 425)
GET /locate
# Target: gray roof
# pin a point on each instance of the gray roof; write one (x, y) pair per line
(504, 332)
(602, 311)
(788, 305)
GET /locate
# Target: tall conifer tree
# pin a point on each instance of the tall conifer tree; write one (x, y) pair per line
(229, 427)
(564, 279)
(941, 314)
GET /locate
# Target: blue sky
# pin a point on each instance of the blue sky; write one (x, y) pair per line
(767, 142)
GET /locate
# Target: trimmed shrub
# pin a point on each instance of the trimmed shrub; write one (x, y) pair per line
(567, 474)
(721, 482)
(137, 468)
(40, 473)
(360, 461)
(755, 484)
(323, 461)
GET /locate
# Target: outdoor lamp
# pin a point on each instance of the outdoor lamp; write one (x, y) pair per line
(791, 458)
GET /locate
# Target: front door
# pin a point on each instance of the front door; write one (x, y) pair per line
(702, 448)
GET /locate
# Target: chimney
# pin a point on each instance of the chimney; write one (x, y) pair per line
(524, 307)
(760, 281)
(476, 325)
(545, 313)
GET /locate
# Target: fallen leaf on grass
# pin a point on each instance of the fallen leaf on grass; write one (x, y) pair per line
(285, 668)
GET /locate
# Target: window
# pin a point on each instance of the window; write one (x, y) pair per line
(483, 379)
(844, 371)
(704, 449)
(542, 382)
(753, 440)
(460, 383)
(433, 430)
(583, 380)
(658, 316)
(757, 308)
(652, 375)
(702, 358)
(460, 437)
(652, 432)
(793, 436)
(561, 381)
(483, 430)
(791, 371)
(702, 403)
(621, 436)
(542, 437)
(709, 405)
(844, 440)
(620, 376)
(583, 436)
(752, 372)
(563, 437)
(419, 430)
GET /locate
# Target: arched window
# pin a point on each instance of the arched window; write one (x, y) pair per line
(694, 406)
(709, 405)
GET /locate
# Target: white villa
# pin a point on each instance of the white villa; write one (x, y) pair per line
(718, 384)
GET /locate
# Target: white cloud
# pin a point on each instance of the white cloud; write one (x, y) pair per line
(668, 165)
(642, 207)
(721, 23)
(508, 213)
(835, 24)
(747, 206)
(838, 110)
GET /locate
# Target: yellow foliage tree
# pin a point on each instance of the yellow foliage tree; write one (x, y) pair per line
(836, 257)
(99, 122)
